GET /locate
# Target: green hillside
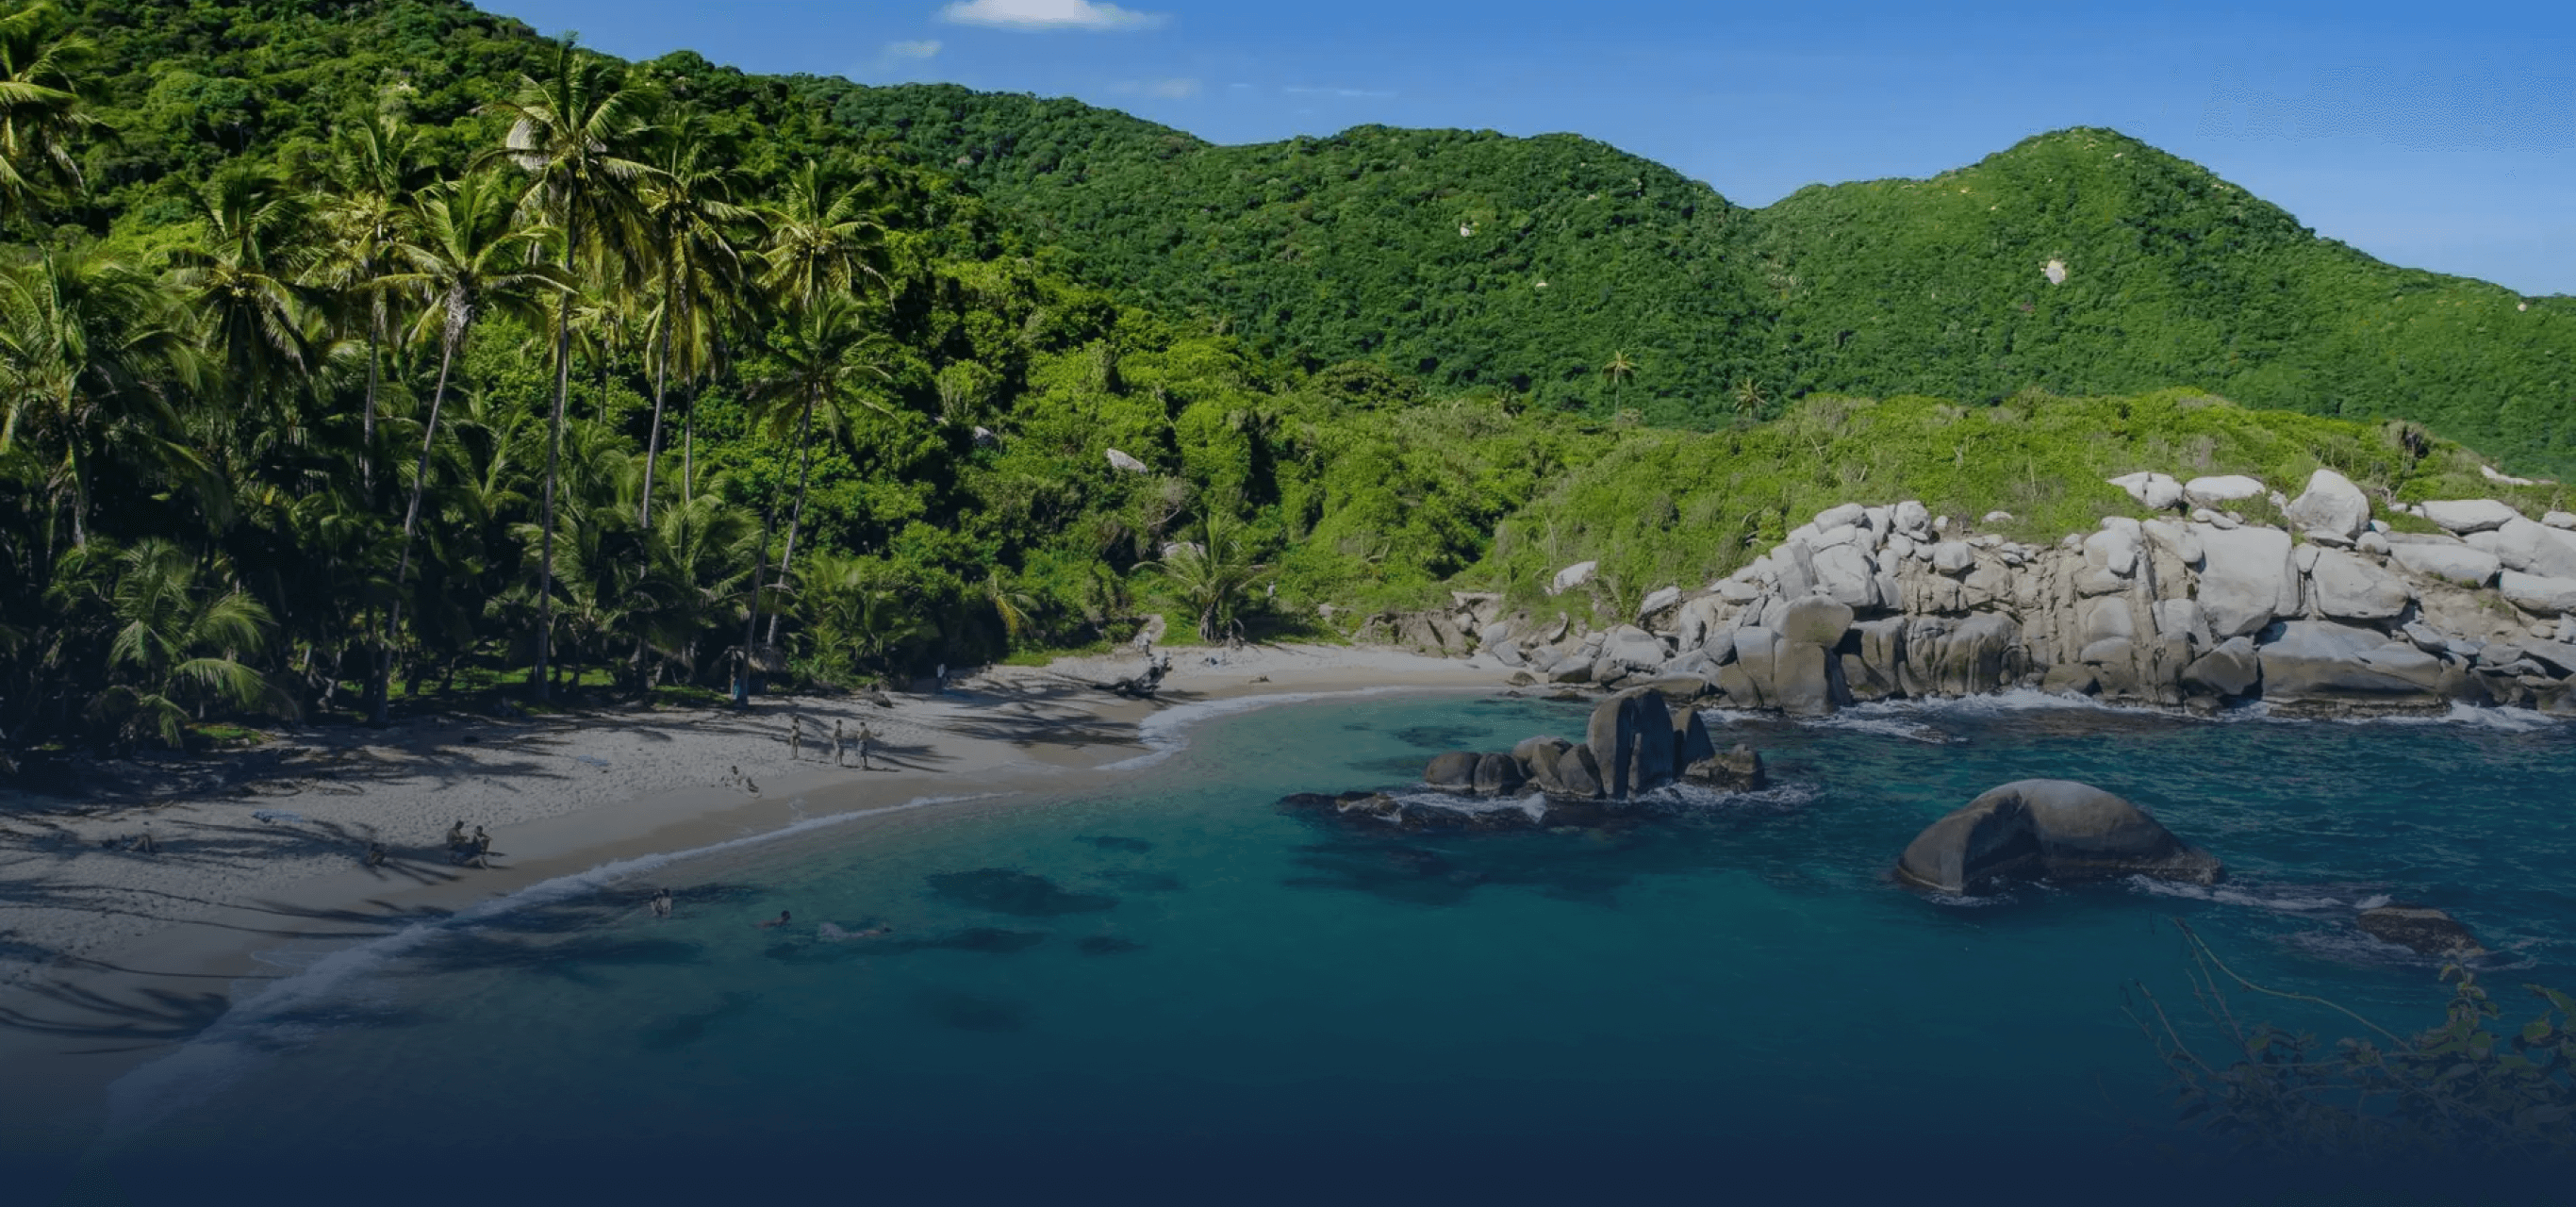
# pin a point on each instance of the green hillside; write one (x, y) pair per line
(1349, 246)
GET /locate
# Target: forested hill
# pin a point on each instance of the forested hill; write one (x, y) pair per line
(1478, 259)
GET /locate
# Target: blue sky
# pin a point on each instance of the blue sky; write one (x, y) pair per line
(2438, 136)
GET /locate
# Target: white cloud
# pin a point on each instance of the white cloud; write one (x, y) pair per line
(911, 50)
(1048, 14)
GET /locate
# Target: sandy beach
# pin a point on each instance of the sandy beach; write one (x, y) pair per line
(110, 954)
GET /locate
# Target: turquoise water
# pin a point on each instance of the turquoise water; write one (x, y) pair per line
(1183, 991)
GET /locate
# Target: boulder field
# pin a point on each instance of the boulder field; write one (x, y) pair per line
(2339, 613)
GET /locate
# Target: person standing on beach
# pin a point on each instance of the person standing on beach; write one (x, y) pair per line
(795, 737)
(867, 737)
(837, 740)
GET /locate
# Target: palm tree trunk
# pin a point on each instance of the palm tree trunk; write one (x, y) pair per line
(554, 449)
(411, 525)
(751, 623)
(689, 448)
(367, 417)
(653, 438)
(80, 496)
(804, 470)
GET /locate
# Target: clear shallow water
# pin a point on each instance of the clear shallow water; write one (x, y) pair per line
(1184, 991)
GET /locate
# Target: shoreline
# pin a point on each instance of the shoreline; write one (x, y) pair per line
(110, 959)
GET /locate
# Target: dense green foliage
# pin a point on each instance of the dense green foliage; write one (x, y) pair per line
(349, 350)
(1428, 250)
(1678, 508)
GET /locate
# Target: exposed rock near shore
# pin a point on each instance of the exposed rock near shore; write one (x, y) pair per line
(2048, 829)
(2424, 931)
(2337, 613)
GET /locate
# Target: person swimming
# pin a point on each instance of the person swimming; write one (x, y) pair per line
(830, 933)
(662, 903)
(774, 923)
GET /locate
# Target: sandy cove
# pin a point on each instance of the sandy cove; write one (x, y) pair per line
(108, 955)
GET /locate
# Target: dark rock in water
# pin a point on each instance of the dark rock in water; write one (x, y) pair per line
(1109, 945)
(1003, 890)
(1497, 775)
(1612, 737)
(1737, 770)
(1526, 750)
(1691, 743)
(990, 940)
(1113, 843)
(1579, 771)
(1309, 800)
(2057, 829)
(1145, 882)
(1568, 697)
(967, 1012)
(1456, 769)
(2424, 931)
(1650, 764)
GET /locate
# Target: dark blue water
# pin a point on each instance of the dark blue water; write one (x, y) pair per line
(1183, 992)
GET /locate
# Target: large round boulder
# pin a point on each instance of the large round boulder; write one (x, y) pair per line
(1456, 769)
(2424, 931)
(2053, 830)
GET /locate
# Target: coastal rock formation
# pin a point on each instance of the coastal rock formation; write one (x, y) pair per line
(2048, 829)
(2338, 613)
(2424, 931)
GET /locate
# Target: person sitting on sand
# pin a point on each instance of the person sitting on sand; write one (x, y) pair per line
(774, 923)
(482, 849)
(145, 843)
(456, 834)
(376, 855)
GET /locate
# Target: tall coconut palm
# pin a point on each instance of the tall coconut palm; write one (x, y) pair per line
(826, 347)
(469, 256)
(95, 347)
(41, 115)
(698, 278)
(1617, 371)
(368, 184)
(577, 135)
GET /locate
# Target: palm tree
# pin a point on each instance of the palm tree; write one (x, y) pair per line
(368, 184)
(181, 641)
(1748, 399)
(95, 346)
(468, 255)
(575, 134)
(1617, 373)
(40, 107)
(827, 346)
(246, 275)
(1210, 577)
(697, 278)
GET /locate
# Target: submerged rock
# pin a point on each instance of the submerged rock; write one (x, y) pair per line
(2051, 829)
(2424, 931)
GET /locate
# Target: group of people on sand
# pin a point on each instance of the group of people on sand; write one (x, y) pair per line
(475, 848)
(842, 742)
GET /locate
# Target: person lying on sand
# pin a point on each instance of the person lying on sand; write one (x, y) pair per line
(774, 923)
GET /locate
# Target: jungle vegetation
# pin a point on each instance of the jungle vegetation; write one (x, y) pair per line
(351, 353)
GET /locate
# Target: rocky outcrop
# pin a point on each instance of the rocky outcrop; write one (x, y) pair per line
(2057, 830)
(2423, 931)
(1886, 602)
